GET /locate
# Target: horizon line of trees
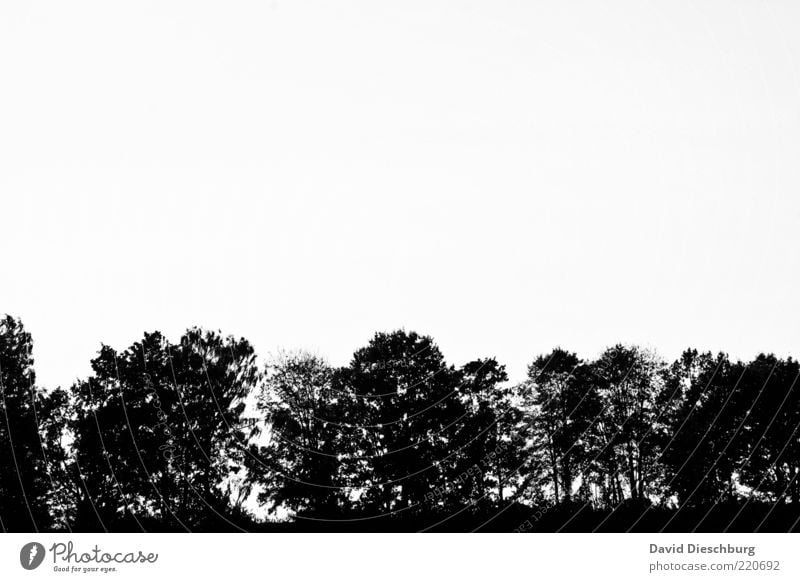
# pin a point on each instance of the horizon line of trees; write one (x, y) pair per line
(195, 435)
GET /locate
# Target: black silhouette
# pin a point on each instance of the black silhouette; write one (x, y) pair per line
(195, 436)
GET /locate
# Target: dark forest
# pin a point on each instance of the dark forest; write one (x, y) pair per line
(199, 435)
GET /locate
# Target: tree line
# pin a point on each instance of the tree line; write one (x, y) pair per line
(197, 435)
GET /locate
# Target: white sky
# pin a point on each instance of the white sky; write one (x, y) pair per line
(505, 176)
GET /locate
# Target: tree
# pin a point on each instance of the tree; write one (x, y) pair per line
(487, 450)
(30, 439)
(700, 396)
(628, 455)
(561, 405)
(769, 452)
(410, 406)
(159, 429)
(298, 466)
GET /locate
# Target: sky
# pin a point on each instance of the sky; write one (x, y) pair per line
(504, 176)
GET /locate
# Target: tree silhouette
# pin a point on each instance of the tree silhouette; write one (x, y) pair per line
(629, 383)
(298, 464)
(489, 442)
(769, 455)
(30, 439)
(410, 409)
(192, 436)
(703, 393)
(561, 403)
(158, 429)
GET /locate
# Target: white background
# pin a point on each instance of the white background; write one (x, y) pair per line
(505, 176)
(404, 557)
